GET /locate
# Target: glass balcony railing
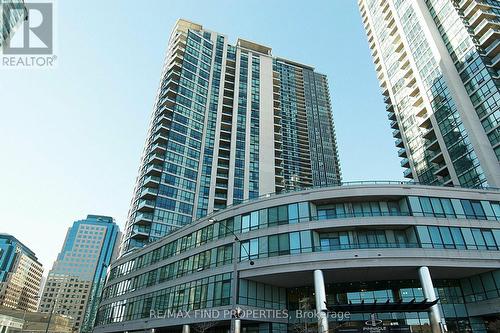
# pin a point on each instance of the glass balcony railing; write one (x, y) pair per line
(141, 229)
(143, 217)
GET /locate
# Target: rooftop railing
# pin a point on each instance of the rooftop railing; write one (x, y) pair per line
(353, 183)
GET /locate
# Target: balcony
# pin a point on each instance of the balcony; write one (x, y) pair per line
(153, 170)
(493, 49)
(160, 138)
(223, 175)
(413, 90)
(148, 193)
(421, 111)
(405, 163)
(431, 144)
(402, 152)
(429, 134)
(417, 101)
(425, 123)
(160, 128)
(164, 115)
(470, 9)
(485, 25)
(224, 154)
(496, 61)
(221, 186)
(146, 205)
(435, 156)
(156, 158)
(391, 115)
(159, 148)
(139, 231)
(441, 170)
(399, 143)
(464, 3)
(220, 195)
(167, 102)
(394, 124)
(143, 218)
(489, 37)
(408, 174)
(447, 181)
(396, 133)
(151, 181)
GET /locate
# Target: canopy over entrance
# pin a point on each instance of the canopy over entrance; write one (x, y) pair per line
(378, 307)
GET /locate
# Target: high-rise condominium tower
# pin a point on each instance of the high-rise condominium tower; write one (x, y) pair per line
(12, 13)
(20, 275)
(75, 282)
(438, 64)
(230, 123)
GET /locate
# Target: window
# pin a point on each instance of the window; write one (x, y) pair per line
(245, 223)
(278, 215)
(447, 239)
(448, 208)
(426, 206)
(478, 210)
(469, 211)
(284, 244)
(496, 209)
(304, 211)
(436, 206)
(489, 240)
(273, 245)
(457, 238)
(401, 238)
(415, 206)
(293, 213)
(478, 237)
(295, 243)
(424, 237)
(469, 239)
(305, 241)
(436, 239)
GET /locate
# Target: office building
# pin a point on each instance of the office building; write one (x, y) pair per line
(20, 275)
(12, 13)
(399, 257)
(74, 284)
(231, 122)
(438, 65)
(17, 321)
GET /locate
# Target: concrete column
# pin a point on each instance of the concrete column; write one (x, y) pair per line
(321, 310)
(186, 329)
(237, 326)
(428, 289)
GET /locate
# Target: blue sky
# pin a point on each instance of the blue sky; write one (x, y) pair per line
(72, 136)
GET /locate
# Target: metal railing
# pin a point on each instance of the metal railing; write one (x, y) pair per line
(352, 183)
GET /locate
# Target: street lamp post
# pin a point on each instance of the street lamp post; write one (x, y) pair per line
(235, 321)
(50, 316)
(52, 310)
